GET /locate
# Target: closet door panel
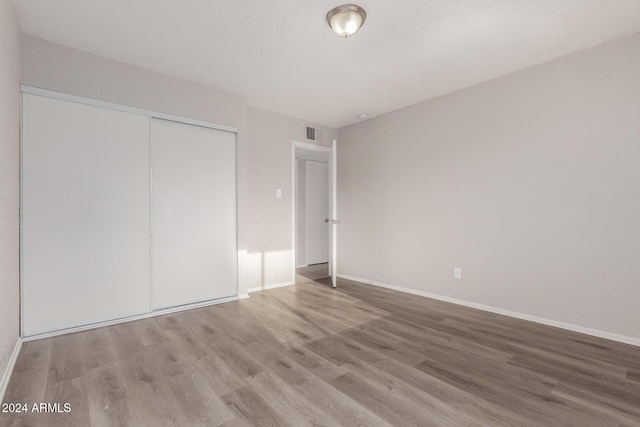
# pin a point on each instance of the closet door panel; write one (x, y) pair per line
(193, 214)
(85, 214)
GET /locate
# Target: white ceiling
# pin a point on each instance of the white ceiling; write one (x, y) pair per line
(282, 56)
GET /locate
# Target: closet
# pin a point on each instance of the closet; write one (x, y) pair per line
(123, 212)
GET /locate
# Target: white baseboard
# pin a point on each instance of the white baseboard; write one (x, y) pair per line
(4, 381)
(155, 313)
(273, 286)
(302, 266)
(536, 319)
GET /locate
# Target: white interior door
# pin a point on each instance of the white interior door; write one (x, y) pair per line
(317, 210)
(193, 208)
(84, 213)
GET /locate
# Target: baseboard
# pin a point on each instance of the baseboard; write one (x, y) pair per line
(155, 313)
(4, 381)
(536, 319)
(302, 266)
(266, 287)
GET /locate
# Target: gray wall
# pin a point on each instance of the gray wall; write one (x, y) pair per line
(270, 162)
(9, 176)
(530, 183)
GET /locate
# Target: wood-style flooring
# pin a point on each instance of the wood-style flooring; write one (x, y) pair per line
(311, 355)
(312, 272)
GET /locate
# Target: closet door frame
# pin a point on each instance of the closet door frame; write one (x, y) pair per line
(150, 114)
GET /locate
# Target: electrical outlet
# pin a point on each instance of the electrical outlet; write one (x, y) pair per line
(457, 272)
(278, 193)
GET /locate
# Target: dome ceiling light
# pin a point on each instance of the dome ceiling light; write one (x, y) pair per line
(346, 20)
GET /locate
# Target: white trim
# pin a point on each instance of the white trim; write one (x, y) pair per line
(333, 195)
(517, 315)
(159, 312)
(150, 153)
(6, 376)
(118, 107)
(244, 296)
(294, 198)
(296, 178)
(302, 265)
(20, 222)
(267, 287)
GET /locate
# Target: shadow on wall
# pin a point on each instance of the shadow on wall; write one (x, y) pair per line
(265, 269)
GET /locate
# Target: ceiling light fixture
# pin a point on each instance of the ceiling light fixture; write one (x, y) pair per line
(346, 20)
(363, 116)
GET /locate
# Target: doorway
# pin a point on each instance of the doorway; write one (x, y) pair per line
(311, 208)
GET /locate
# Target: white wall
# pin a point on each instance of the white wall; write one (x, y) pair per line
(269, 163)
(9, 176)
(530, 183)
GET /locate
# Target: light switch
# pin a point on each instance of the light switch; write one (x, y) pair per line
(457, 273)
(278, 193)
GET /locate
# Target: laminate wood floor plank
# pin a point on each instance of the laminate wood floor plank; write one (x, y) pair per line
(95, 348)
(151, 398)
(280, 364)
(625, 390)
(557, 341)
(65, 362)
(340, 407)
(586, 400)
(33, 355)
(383, 345)
(438, 410)
(29, 378)
(315, 318)
(73, 392)
(199, 403)
(235, 357)
(251, 407)
(340, 351)
(397, 410)
(110, 402)
(285, 401)
(460, 398)
(233, 317)
(537, 405)
(309, 354)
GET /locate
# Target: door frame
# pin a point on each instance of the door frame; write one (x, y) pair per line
(294, 198)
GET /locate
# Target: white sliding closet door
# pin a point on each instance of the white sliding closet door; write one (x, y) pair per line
(85, 214)
(193, 205)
